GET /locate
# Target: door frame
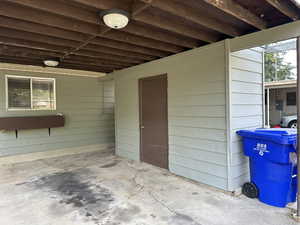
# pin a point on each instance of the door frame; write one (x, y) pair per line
(165, 75)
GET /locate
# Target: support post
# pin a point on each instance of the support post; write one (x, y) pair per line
(268, 107)
(298, 126)
(297, 214)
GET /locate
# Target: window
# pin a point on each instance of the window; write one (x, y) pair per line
(30, 93)
(291, 98)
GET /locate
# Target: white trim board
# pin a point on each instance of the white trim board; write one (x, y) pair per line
(55, 153)
(31, 91)
(268, 36)
(49, 70)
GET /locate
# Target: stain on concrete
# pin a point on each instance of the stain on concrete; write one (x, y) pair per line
(125, 214)
(112, 164)
(182, 219)
(89, 199)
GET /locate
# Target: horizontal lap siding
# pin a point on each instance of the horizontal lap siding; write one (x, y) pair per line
(196, 112)
(246, 106)
(89, 120)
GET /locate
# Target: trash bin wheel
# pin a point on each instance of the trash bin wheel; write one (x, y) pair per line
(250, 190)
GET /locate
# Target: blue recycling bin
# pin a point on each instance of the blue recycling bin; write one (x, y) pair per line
(272, 158)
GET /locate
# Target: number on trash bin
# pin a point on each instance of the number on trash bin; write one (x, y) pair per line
(261, 148)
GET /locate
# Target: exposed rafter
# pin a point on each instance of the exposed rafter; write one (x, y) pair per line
(143, 41)
(234, 9)
(24, 51)
(136, 29)
(177, 28)
(191, 14)
(30, 40)
(85, 28)
(78, 22)
(17, 34)
(138, 7)
(32, 44)
(33, 30)
(65, 37)
(285, 8)
(12, 53)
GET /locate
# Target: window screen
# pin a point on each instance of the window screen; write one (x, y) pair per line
(30, 93)
(42, 94)
(19, 93)
(291, 98)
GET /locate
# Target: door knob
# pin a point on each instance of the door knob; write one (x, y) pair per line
(142, 127)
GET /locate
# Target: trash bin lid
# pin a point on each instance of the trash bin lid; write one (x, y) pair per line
(280, 131)
(279, 136)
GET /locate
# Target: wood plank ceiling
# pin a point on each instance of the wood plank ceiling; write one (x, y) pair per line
(71, 30)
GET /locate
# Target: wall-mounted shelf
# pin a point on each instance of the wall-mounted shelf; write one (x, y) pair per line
(31, 122)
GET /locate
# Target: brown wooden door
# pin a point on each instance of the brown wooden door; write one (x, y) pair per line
(154, 120)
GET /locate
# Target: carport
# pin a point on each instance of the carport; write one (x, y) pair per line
(169, 89)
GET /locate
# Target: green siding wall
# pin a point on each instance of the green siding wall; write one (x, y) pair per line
(246, 107)
(87, 104)
(196, 108)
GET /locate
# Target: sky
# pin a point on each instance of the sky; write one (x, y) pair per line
(291, 56)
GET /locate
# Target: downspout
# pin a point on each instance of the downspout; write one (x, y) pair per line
(228, 110)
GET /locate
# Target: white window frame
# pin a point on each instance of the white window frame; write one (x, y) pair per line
(31, 78)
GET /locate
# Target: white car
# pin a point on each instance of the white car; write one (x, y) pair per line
(289, 121)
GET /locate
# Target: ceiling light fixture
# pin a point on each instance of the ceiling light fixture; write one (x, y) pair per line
(115, 18)
(51, 62)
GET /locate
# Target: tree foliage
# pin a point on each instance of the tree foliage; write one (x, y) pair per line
(276, 68)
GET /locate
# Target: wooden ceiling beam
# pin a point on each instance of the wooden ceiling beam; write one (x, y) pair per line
(99, 61)
(138, 7)
(128, 47)
(39, 62)
(93, 54)
(84, 54)
(113, 51)
(24, 35)
(143, 41)
(103, 4)
(38, 16)
(15, 43)
(37, 41)
(190, 14)
(285, 8)
(32, 44)
(17, 24)
(138, 14)
(234, 9)
(12, 12)
(59, 8)
(85, 67)
(45, 14)
(20, 60)
(136, 29)
(70, 61)
(178, 28)
(78, 62)
(66, 38)
(24, 51)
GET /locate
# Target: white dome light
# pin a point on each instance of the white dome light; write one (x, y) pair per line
(115, 18)
(51, 62)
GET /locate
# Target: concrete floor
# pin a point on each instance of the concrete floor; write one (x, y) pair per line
(99, 188)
